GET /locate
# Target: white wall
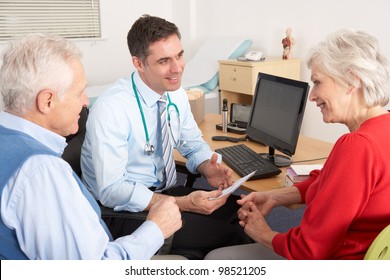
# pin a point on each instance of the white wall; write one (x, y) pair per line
(265, 23)
(262, 21)
(108, 59)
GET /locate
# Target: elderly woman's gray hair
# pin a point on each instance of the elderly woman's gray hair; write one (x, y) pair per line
(354, 58)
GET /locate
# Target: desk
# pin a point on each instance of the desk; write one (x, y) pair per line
(307, 148)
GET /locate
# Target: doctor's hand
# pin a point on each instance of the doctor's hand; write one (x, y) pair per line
(218, 175)
(199, 202)
(166, 214)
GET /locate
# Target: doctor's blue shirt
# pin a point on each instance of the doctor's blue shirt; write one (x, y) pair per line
(114, 164)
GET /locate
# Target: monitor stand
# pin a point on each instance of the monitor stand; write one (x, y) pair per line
(278, 160)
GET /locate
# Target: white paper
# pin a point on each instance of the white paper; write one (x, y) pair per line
(305, 169)
(235, 186)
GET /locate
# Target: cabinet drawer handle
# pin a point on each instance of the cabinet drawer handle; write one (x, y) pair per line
(233, 78)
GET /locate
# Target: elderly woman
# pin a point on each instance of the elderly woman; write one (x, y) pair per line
(348, 200)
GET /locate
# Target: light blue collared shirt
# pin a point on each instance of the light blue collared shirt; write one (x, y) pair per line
(51, 216)
(114, 165)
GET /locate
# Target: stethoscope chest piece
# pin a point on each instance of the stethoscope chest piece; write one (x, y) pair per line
(149, 149)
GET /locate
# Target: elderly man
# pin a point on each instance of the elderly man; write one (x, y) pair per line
(46, 212)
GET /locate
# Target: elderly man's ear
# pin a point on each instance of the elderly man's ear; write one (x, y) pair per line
(45, 100)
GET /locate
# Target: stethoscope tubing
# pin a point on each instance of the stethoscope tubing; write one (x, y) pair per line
(149, 149)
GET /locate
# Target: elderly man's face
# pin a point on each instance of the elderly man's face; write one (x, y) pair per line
(67, 111)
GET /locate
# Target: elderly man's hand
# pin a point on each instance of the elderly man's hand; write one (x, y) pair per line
(165, 213)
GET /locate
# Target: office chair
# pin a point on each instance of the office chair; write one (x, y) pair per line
(72, 151)
(380, 247)
(72, 154)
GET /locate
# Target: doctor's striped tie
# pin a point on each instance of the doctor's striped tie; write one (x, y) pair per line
(170, 167)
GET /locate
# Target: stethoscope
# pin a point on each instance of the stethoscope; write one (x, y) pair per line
(149, 148)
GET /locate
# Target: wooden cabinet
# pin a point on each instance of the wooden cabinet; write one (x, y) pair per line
(237, 79)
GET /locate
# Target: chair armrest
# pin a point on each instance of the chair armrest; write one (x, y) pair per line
(110, 213)
(191, 178)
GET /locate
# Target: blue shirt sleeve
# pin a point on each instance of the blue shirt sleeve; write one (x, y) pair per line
(53, 219)
(112, 158)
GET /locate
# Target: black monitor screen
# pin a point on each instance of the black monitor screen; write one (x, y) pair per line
(277, 111)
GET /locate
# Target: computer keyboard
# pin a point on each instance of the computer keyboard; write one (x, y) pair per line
(244, 160)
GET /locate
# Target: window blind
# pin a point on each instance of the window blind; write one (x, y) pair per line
(67, 18)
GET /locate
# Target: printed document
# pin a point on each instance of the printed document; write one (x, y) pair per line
(235, 186)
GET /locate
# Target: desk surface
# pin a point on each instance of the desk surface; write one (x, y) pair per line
(307, 149)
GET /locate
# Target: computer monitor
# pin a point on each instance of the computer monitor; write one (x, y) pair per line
(276, 115)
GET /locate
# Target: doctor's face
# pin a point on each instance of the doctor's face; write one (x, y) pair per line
(164, 65)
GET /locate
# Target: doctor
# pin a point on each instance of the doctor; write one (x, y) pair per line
(125, 158)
